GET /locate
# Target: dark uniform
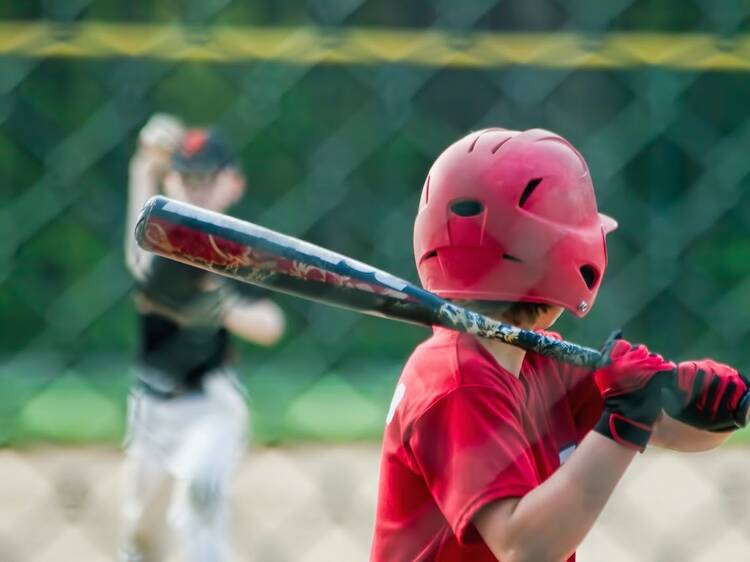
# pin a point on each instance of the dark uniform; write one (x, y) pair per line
(182, 337)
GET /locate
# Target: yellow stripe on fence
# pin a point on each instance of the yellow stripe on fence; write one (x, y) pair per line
(310, 45)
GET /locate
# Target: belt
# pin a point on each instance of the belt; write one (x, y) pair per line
(169, 394)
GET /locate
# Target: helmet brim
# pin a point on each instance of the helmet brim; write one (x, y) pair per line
(608, 223)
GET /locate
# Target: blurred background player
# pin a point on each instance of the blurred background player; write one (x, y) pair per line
(187, 414)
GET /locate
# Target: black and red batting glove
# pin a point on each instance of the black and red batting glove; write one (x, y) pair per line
(631, 385)
(705, 394)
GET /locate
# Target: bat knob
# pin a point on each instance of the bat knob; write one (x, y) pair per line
(153, 204)
(742, 414)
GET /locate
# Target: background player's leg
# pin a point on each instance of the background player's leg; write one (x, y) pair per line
(205, 462)
(148, 490)
(200, 516)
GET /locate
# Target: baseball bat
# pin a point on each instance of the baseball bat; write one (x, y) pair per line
(253, 254)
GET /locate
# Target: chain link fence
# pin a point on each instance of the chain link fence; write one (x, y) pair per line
(337, 108)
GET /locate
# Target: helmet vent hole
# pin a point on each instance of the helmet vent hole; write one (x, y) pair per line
(528, 190)
(590, 275)
(498, 145)
(512, 258)
(467, 207)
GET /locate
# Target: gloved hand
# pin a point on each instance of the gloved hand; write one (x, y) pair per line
(705, 394)
(630, 384)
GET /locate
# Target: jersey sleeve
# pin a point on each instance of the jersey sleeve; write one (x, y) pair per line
(471, 449)
(584, 398)
(585, 401)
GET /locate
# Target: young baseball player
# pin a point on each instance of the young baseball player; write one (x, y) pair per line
(489, 452)
(187, 415)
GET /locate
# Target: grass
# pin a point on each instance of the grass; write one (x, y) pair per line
(41, 401)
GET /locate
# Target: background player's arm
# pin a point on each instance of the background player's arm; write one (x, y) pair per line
(156, 142)
(550, 522)
(261, 321)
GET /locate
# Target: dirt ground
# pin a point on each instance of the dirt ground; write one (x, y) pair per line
(315, 503)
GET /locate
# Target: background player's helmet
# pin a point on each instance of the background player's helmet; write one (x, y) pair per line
(512, 216)
(201, 151)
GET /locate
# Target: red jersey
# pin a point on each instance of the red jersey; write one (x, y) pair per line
(463, 432)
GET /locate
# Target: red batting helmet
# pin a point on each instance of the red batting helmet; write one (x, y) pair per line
(511, 216)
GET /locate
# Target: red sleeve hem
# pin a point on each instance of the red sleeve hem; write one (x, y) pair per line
(463, 524)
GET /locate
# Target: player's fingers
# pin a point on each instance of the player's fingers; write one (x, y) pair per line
(720, 389)
(686, 380)
(703, 384)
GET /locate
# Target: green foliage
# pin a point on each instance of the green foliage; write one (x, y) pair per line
(337, 154)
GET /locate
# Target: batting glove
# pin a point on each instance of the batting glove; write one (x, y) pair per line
(630, 384)
(705, 394)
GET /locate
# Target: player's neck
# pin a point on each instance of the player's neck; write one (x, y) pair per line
(507, 356)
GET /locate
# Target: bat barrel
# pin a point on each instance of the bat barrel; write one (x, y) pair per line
(252, 254)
